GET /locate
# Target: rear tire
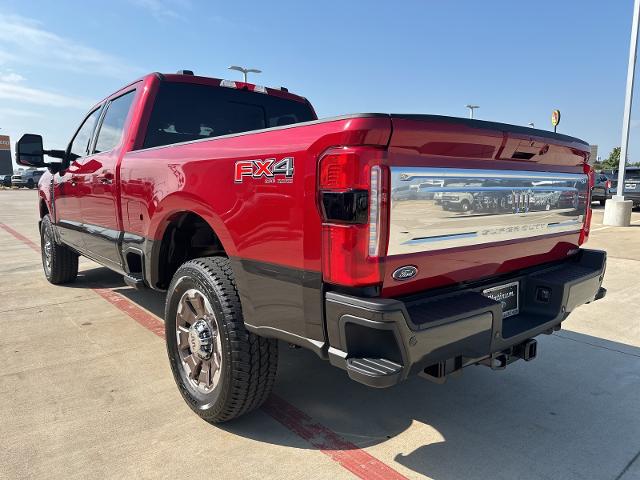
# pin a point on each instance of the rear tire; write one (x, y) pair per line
(205, 332)
(30, 184)
(60, 263)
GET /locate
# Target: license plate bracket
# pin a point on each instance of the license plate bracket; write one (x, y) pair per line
(508, 295)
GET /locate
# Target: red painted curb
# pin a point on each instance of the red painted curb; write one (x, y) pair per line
(20, 237)
(144, 318)
(347, 454)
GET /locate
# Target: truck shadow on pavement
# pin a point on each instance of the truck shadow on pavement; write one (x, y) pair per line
(102, 277)
(571, 413)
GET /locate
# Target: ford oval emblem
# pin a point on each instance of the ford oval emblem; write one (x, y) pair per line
(405, 273)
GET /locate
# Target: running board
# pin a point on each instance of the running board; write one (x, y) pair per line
(134, 281)
(374, 372)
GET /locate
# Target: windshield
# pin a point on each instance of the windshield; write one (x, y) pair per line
(187, 111)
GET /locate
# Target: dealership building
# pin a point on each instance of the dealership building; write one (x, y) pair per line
(6, 167)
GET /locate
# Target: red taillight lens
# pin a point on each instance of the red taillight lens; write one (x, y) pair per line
(608, 184)
(584, 232)
(341, 169)
(352, 244)
(344, 256)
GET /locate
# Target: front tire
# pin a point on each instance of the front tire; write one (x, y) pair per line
(602, 202)
(222, 370)
(60, 263)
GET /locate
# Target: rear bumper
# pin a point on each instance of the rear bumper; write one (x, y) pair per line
(380, 342)
(633, 196)
(600, 194)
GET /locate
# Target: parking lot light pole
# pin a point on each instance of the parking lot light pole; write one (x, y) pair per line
(244, 71)
(471, 109)
(617, 210)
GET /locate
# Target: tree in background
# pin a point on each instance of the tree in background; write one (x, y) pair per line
(613, 160)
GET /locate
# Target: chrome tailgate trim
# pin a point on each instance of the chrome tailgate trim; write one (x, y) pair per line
(440, 208)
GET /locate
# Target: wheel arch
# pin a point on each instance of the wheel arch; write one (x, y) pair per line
(43, 207)
(185, 229)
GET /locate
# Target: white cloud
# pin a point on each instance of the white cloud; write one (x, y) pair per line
(13, 91)
(163, 9)
(11, 77)
(24, 41)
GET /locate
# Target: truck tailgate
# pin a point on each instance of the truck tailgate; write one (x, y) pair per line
(472, 199)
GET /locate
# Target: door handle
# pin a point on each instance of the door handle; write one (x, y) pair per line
(74, 181)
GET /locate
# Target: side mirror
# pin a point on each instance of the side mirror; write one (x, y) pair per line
(29, 151)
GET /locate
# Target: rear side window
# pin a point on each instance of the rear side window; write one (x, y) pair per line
(185, 111)
(113, 123)
(80, 143)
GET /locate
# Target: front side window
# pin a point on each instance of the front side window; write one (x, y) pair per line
(113, 123)
(80, 143)
(185, 111)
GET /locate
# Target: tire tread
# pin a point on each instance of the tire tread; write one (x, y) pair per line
(254, 359)
(64, 261)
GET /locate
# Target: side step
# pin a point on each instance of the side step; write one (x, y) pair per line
(134, 281)
(374, 372)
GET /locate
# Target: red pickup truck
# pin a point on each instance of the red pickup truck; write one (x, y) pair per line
(390, 245)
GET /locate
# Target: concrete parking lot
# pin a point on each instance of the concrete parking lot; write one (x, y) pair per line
(86, 391)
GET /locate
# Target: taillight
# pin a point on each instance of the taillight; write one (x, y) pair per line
(586, 226)
(375, 211)
(352, 201)
(608, 185)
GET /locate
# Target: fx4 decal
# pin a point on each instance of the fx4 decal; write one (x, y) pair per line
(271, 170)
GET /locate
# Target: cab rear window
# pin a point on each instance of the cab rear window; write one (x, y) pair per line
(185, 111)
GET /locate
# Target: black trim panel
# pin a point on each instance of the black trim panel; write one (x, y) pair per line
(281, 302)
(103, 245)
(71, 233)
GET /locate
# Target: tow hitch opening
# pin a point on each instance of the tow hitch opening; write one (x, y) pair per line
(527, 351)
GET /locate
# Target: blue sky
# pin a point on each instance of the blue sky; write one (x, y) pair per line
(517, 60)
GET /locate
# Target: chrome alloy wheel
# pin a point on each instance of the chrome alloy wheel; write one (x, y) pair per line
(47, 250)
(199, 344)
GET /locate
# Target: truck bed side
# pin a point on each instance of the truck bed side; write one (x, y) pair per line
(271, 231)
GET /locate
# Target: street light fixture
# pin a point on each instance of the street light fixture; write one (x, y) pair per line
(471, 109)
(244, 71)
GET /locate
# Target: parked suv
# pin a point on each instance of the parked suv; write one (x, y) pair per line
(5, 180)
(602, 190)
(631, 188)
(26, 178)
